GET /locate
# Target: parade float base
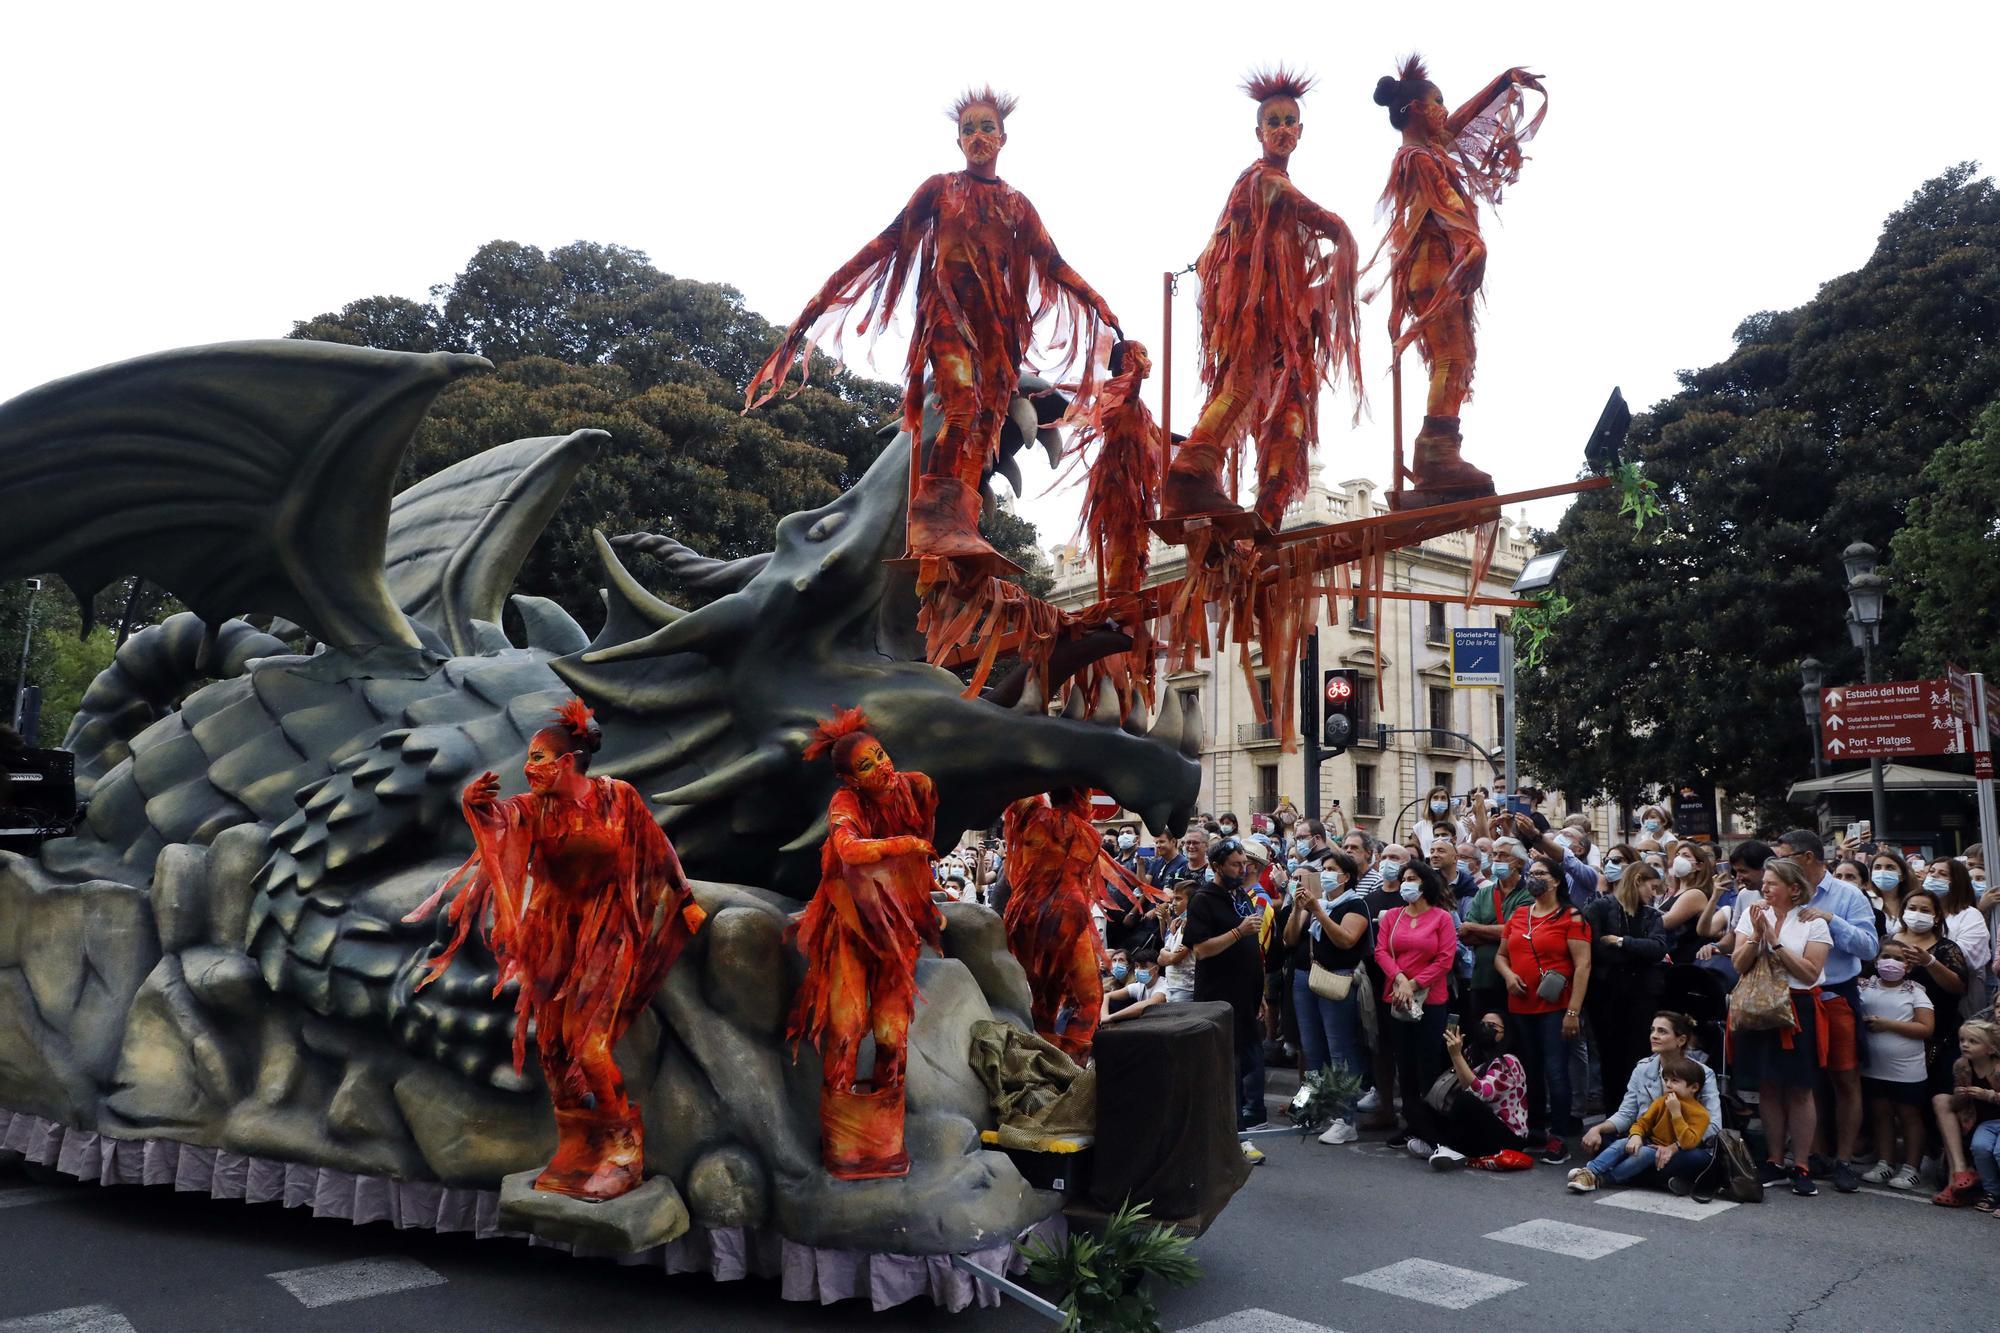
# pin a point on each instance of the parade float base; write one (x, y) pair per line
(726, 1254)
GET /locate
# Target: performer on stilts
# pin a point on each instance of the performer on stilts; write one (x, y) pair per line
(608, 913)
(986, 274)
(1277, 320)
(1448, 162)
(860, 936)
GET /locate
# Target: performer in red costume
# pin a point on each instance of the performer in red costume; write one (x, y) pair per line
(609, 912)
(986, 274)
(1121, 494)
(1447, 163)
(1277, 320)
(1057, 868)
(860, 936)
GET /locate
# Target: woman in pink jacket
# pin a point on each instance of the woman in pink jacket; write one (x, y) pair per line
(1416, 945)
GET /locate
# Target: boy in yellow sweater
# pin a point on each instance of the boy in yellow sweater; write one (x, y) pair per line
(1676, 1120)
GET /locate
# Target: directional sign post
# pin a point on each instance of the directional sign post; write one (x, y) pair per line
(1892, 719)
(1475, 659)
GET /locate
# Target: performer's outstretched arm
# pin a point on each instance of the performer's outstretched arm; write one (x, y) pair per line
(1481, 100)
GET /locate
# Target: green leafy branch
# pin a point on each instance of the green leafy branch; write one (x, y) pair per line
(1534, 624)
(1638, 496)
(1103, 1277)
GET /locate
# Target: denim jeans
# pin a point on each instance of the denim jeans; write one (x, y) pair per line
(1621, 1166)
(1329, 1030)
(1539, 1042)
(1250, 1081)
(1984, 1143)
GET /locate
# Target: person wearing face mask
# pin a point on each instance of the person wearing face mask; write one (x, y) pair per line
(1627, 947)
(1889, 882)
(1544, 961)
(1485, 1116)
(1176, 959)
(1688, 891)
(1382, 898)
(1326, 935)
(1486, 914)
(1936, 965)
(1964, 926)
(1415, 945)
(1226, 826)
(1895, 1080)
(1655, 824)
(1134, 988)
(1222, 930)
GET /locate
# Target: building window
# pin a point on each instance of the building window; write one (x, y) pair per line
(1438, 634)
(1441, 720)
(1366, 802)
(1499, 717)
(1190, 701)
(1440, 780)
(1364, 710)
(1267, 788)
(1263, 687)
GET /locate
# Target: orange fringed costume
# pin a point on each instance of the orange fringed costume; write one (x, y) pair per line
(860, 936)
(1277, 320)
(1057, 867)
(1121, 495)
(609, 912)
(987, 274)
(1437, 256)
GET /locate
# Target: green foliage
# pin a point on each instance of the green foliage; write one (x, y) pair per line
(1104, 1277)
(60, 660)
(1533, 626)
(1679, 661)
(1945, 562)
(1638, 497)
(593, 335)
(1323, 1095)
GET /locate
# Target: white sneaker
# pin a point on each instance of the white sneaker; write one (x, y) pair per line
(1878, 1174)
(1371, 1100)
(1252, 1153)
(1339, 1132)
(1904, 1179)
(1445, 1159)
(1420, 1148)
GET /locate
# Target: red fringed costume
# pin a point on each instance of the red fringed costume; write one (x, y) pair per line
(1448, 162)
(1121, 495)
(1277, 321)
(860, 936)
(1058, 871)
(986, 275)
(582, 901)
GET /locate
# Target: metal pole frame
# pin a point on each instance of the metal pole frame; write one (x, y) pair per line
(21, 678)
(1008, 1287)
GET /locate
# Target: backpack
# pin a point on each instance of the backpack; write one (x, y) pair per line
(1733, 1172)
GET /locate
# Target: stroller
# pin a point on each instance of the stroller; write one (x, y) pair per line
(1702, 993)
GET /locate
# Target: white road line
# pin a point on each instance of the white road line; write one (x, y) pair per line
(331, 1284)
(27, 1194)
(1907, 1196)
(1661, 1204)
(1555, 1237)
(77, 1319)
(1257, 1321)
(1434, 1283)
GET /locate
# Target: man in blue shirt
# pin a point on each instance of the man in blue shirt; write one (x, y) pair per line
(1851, 920)
(1165, 864)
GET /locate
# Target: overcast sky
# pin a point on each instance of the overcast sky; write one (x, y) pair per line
(181, 174)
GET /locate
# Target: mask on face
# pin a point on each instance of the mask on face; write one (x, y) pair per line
(1891, 971)
(1118, 971)
(1503, 869)
(1938, 886)
(1683, 868)
(1920, 922)
(1127, 841)
(1411, 892)
(1614, 871)
(1485, 861)
(1465, 867)
(1885, 880)
(1228, 829)
(1979, 883)
(982, 147)
(1144, 976)
(1439, 807)
(1651, 826)
(1281, 140)
(1391, 870)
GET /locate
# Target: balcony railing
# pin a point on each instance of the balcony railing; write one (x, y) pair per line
(1256, 733)
(1371, 807)
(1444, 740)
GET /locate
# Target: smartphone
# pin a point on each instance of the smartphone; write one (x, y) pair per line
(1451, 1022)
(1335, 804)
(1854, 832)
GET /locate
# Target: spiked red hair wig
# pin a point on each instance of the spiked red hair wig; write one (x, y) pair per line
(576, 731)
(1003, 104)
(1276, 81)
(841, 735)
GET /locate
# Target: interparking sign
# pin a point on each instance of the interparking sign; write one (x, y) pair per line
(1475, 658)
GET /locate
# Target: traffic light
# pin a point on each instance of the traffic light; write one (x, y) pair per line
(1339, 696)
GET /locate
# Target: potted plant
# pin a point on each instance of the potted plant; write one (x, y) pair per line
(1103, 1277)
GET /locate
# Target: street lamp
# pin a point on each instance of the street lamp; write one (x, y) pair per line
(1866, 591)
(1812, 672)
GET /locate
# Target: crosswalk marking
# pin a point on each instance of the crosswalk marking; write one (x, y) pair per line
(1555, 1237)
(76, 1319)
(23, 1195)
(331, 1284)
(1257, 1321)
(1434, 1283)
(1663, 1204)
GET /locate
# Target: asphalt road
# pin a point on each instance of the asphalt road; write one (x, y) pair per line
(1282, 1259)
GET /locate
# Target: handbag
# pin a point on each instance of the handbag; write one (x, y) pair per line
(1329, 984)
(1762, 1000)
(1439, 1096)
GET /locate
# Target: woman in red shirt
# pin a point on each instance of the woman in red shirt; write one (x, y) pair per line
(1416, 945)
(1544, 961)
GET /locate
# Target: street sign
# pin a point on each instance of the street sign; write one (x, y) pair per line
(1475, 659)
(1890, 719)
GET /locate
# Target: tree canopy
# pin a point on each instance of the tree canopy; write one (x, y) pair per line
(1829, 424)
(592, 335)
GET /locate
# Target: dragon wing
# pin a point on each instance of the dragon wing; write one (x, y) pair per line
(247, 477)
(457, 538)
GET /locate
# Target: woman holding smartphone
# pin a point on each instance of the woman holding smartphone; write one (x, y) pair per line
(1326, 934)
(1544, 962)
